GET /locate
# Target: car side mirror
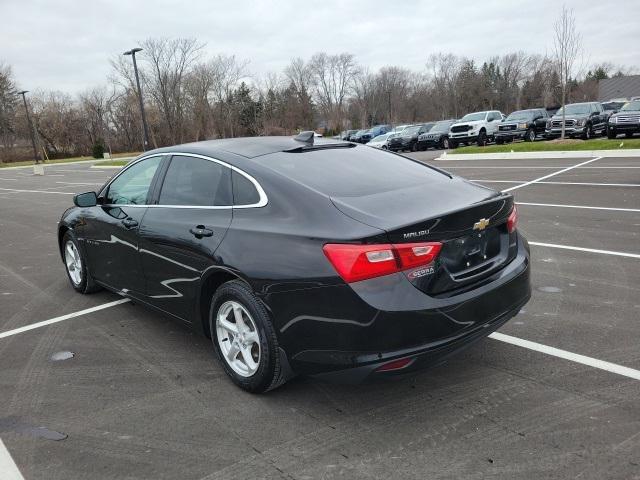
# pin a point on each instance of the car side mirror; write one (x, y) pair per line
(87, 199)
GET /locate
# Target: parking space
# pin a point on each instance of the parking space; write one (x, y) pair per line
(143, 397)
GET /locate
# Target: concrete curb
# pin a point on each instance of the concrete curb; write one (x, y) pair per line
(104, 167)
(631, 152)
(57, 164)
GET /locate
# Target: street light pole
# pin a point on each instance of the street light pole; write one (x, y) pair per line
(33, 139)
(145, 130)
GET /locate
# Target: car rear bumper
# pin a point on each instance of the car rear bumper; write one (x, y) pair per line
(348, 333)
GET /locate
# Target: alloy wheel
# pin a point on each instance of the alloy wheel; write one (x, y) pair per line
(238, 338)
(73, 262)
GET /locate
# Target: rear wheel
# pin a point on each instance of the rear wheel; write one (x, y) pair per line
(76, 265)
(244, 339)
(530, 136)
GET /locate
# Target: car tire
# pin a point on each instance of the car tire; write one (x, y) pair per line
(414, 147)
(611, 134)
(256, 338)
(482, 138)
(384, 147)
(628, 135)
(588, 132)
(453, 144)
(499, 141)
(76, 265)
(446, 144)
(530, 136)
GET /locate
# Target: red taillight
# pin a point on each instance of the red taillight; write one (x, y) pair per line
(417, 254)
(395, 365)
(512, 221)
(360, 262)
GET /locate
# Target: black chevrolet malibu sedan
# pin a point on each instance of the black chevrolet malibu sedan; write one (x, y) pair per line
(327, 259)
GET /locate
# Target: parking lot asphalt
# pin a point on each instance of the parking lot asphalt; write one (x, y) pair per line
(143, 397)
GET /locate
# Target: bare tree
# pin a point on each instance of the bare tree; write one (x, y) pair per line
(169, 62)
(332, 78)
(8, 101)
(567, 45)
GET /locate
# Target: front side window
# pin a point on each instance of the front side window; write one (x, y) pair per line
(196, 182)
(132, 186)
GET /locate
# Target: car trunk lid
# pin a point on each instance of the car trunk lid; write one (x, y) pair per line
(469, 220)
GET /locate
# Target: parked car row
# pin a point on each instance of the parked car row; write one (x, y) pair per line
(581, 120)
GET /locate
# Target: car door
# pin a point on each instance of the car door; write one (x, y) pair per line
(601, 117)
(493, 120)
(540, 122)
(111, 230)
(182, 229)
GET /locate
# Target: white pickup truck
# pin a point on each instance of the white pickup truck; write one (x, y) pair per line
(477, 127)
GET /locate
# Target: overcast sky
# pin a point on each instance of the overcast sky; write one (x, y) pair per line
(65, 44)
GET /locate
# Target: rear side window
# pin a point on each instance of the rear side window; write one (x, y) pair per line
(194, 181)
(244, 192)
(351, 172)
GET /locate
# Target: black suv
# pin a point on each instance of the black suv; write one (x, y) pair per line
(437, 137)
(408, 138)
(522, 124)
(626, 121)
(585, 120)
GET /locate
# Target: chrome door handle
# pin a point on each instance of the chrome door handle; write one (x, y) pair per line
(200, 231)
(129, 222)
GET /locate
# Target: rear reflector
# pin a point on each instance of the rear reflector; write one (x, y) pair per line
(512, 221)
(395, 365)
(360, 262)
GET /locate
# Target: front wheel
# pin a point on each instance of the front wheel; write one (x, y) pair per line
(446, 144)
(482, 138)
(611, 134)
(244, 339)
(588, 133)
(76, 265)
(530, 136)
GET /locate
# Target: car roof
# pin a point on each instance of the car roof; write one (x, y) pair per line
(249, 147)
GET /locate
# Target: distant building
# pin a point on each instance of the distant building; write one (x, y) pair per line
(619, 87)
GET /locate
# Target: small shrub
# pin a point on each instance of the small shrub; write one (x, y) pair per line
(98, 150)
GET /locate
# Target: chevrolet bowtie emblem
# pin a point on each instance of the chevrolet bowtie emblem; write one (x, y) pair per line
(481, 224)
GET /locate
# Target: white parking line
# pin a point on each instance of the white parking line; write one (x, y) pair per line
(579, 206)
(552, 174)
(35, 191)
(80, 183)
(582, 249)
(8, 468)
(572, 357)
(591, 184)
(79, 313)
(536, 167)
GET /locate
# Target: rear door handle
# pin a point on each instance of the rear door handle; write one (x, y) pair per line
(129, 223)
(201, 231)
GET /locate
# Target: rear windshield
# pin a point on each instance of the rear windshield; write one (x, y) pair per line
(350, 172)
